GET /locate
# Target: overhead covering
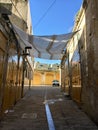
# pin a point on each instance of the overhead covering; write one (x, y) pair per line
(46, 47)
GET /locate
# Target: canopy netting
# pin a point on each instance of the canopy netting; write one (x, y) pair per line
(46, 47)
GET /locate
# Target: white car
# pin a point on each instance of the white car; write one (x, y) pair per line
(55, 83)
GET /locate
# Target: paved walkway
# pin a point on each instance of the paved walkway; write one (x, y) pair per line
(30, 114)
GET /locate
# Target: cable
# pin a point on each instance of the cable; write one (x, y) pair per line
(41, 18)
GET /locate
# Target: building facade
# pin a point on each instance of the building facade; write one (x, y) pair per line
(82, 55)
(44, 74)
(16, 68)
(20, 13)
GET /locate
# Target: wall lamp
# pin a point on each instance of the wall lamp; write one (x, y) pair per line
(26, 52)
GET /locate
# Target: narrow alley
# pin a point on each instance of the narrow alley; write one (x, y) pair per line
(30, 114)
(31, 64)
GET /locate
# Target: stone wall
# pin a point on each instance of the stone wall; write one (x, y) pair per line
(44, 77)
(20, 13)
(89, 60)
(87, 42)
(12, 80)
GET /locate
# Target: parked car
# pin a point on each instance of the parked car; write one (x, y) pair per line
(55, 83)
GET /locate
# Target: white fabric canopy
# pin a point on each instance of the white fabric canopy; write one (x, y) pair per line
(46, 47)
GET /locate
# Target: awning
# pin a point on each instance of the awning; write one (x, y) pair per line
(46, 47)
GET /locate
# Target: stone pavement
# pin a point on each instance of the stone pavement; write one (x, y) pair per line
(29, 112)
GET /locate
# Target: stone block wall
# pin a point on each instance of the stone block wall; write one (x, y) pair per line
(20, 13)
(87, 23)
(44, 77)
(88, 43)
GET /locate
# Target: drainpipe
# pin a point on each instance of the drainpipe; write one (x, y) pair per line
(60, 76)
(79, 47)
(70, 76)
(25, 53)
(22, 87)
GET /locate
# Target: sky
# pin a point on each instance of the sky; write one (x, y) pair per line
(51, 17)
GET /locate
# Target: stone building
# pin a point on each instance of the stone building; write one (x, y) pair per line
(16, 67)
(20, 13)
(81, 60)
(44, 74)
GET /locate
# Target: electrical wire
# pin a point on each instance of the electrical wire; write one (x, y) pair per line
(41, 18)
